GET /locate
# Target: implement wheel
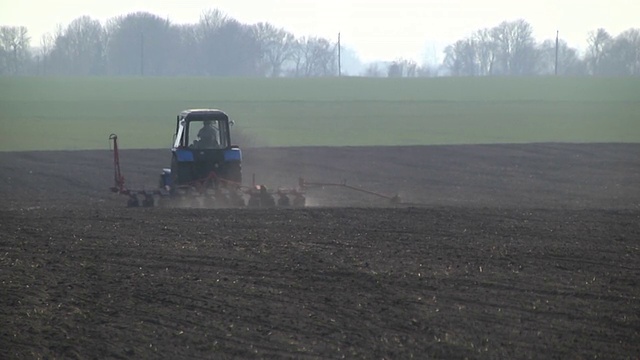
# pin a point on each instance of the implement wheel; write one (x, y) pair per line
(284, 201)
(133, 201)
(299, 201)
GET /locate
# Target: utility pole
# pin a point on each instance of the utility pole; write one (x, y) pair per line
(339, 59)
(557, 37)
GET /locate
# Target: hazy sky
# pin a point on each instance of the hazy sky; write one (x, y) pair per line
(376, 29)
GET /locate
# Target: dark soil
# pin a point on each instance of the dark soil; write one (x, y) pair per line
(503, 251)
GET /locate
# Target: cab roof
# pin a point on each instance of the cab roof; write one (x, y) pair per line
(200, 114)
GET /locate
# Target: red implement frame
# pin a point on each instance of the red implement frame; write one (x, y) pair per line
(118, 179)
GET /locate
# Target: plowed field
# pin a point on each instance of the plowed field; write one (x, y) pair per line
(506, 251)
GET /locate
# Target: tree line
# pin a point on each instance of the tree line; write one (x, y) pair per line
(144, 44)
(510, 49)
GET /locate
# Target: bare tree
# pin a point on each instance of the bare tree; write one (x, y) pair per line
(485, 51)
(623, 54)
(298, 56)
(188, 61)
(313, 57)
(142, 44)
(210, 21)
(598, 42)
(14, 49)
(46, 46)
(79, 49)
(507, 49)
(515, 47)
(277, 47)
(394, 70)
(230, 50)
(207, 41)
(402, 68)
(460, 58)
(569, 63)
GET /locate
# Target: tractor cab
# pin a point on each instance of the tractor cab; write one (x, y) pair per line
(202, 129)
(202, 150)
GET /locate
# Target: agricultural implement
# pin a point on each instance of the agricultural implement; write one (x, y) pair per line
(306, 185)
(206, 171)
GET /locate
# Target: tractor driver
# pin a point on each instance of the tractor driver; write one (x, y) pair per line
(208, 135)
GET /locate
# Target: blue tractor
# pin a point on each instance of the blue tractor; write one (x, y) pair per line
(206, 169)
(202, 153)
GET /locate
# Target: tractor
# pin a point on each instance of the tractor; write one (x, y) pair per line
(202, 150)
(206, 169)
